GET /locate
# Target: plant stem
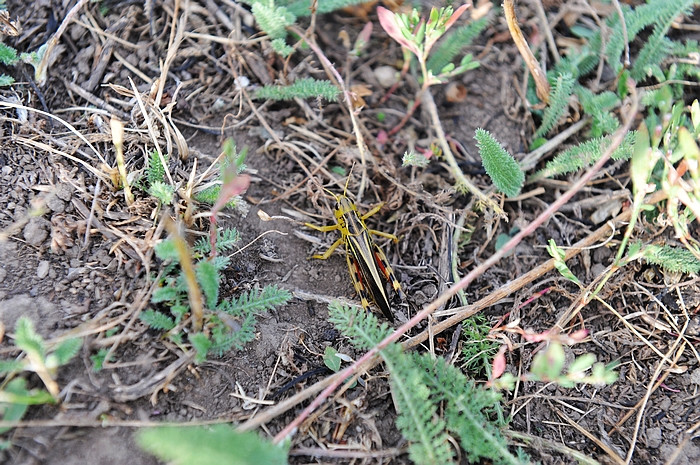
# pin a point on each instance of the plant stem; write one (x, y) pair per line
(462, 182)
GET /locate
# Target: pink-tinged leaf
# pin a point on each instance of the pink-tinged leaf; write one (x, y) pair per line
(536, 337)
(580, 335)
(363, 38)
(230, 188)
(387, 19)
(382, 137)
(498, 367)
(455, 16)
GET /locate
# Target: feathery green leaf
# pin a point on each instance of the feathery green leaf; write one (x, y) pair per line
(301, 88)
(499, 165)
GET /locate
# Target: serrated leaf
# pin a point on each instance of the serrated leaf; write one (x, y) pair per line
(201, 344)
(208, 279)
(66, 350)
(165, 250)
(674, 259)
(502, 168)
(28, 340)
(164, 294)
(157, 320)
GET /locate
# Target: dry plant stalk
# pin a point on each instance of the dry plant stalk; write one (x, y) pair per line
(537, 74)
(194, 294)
(117, 128)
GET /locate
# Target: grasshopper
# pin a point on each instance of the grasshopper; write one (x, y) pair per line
(368, 266)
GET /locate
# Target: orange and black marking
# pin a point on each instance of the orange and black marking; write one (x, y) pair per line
(368, 266)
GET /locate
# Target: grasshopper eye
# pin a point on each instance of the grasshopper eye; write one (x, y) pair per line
(337, 205)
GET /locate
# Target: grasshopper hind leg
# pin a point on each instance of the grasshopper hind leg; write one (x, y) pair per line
(388, 272)
(356, 278)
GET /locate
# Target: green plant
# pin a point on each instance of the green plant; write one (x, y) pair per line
(499, 164)
(549, 366)
(422, 387)
(38, 357)
(417, 38)
(226, 323)
(651, 62)
(231, 163)
(155, 179)
(477, 349)
(213, 445)
(301, 88)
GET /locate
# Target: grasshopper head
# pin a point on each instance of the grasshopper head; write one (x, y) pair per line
(343, 206)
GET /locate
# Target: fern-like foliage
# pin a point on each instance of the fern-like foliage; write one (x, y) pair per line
(598, 106)
(469, 411)
(558, 103)
(256, 301)
(208, 278)
(301, 88)
(655, 15)
(584, 154)
(448, 48)
(235, 320)
(230, 323)
(226, 239)
(8, 55)
(273, 20)
(499, 164)
(674, 259)
(162, 192)
(157, 320)
(417, 420)
(657, 47)
(156, 170)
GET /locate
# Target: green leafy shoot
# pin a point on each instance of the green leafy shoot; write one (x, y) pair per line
(39, 358)
(212, 445)
(499, 164)
(548, 366)
(478, 349)
(413, 158)
(272, 19)
(230, 323)
(584, 154)
(301, 88)
(559, 257)
(558, 104)
(423, 387)
(8, 55)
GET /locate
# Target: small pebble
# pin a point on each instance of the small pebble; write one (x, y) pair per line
(56, 205)
(36, 231)
(654, 437)
(386, 76)
(43, 269)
